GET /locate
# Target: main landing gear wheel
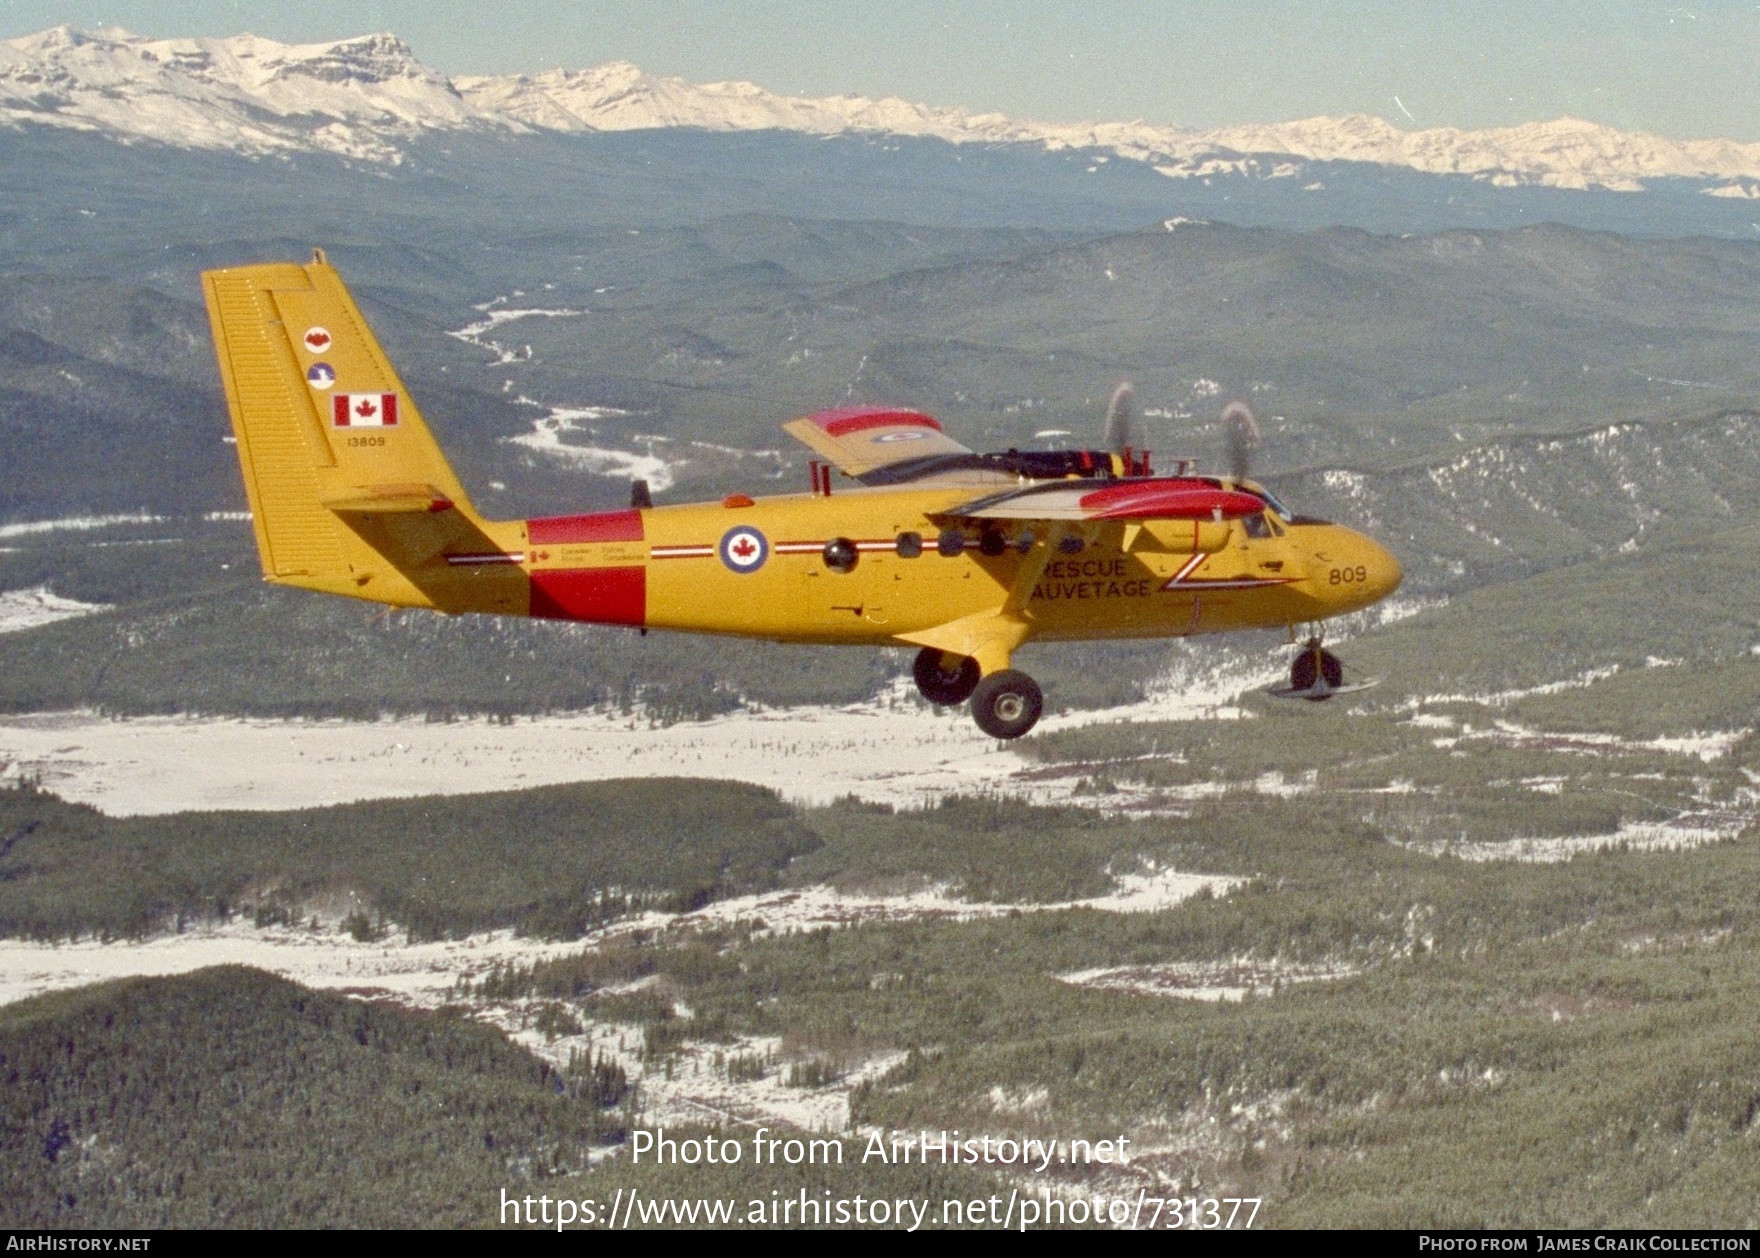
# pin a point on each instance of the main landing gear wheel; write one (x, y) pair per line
(937, 684)
(1007, 704)
(1312, 665)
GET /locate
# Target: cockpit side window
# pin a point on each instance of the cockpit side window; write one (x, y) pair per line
(1256, 526)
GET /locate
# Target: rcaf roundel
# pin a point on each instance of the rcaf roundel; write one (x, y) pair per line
(317, 339)
(744, 549)
(364, 410)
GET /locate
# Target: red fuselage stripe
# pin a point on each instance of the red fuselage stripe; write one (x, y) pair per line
(601, 596)
(604, 526)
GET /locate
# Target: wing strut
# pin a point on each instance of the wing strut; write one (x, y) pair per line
(992, 636)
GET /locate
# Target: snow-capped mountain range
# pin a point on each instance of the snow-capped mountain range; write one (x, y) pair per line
(364, 98)
(355, 97)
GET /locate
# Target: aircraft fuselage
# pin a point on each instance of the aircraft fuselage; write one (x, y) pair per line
(758, 568)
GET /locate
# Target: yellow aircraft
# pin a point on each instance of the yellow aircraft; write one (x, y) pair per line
(924, 543)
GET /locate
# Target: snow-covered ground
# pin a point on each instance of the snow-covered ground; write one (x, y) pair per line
(26, 609)
(694, 1086)
(76, 523)
(1207, 980)
(549, 438)
(497, 313)
(890, 750)
(327, 957)
(1705, 745)
(691, 1086)
(1688, 830)
(171, 764)
(566, 435)
(1503, 698)
(814, 908)
(428, 974)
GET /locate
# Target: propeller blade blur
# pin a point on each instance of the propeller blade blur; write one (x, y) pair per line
(1242, 432)
(1118, 418)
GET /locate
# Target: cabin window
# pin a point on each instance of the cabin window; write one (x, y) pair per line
(841, 554)
(910, 545)
(951, 542)
(1071, 545)
(1256, 526)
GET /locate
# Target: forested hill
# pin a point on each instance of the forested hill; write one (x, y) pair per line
(230, 1098)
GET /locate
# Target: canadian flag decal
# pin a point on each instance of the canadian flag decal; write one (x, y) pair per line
(364, 410)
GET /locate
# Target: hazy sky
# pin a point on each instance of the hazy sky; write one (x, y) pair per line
(1681, 69)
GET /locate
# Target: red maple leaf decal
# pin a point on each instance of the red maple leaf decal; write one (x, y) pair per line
(744, 548)
(365, 409)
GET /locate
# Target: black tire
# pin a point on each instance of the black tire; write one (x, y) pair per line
(937, 685)
(1007, 704)
(1311, 664)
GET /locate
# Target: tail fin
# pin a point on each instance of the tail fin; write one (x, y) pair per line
(349, 492)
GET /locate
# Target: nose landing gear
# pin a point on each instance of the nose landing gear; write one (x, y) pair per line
(1313, 664)
(1316, 674)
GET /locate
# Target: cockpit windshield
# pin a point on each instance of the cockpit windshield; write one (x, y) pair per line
(1283, 511)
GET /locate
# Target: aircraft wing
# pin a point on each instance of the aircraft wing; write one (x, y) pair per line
(1160, 499)
(863, 439)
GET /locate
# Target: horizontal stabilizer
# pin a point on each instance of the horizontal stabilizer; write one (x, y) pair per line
(388, 498)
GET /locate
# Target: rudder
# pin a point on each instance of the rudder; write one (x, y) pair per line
(295, 534)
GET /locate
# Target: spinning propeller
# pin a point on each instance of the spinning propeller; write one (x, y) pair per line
(1242, 433)
(1119, 412)
(1240, 430)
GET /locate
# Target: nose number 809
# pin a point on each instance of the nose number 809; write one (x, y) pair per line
(1348, 576)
